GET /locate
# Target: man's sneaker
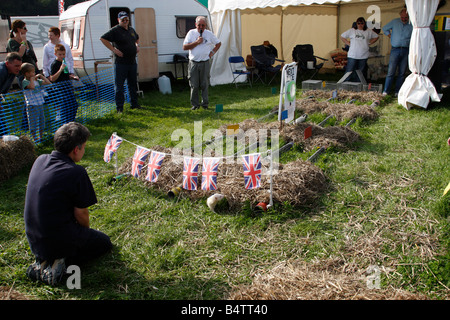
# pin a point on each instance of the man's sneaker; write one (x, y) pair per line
(194, 108)
(54, 272)
(384, 94)
(35, 270)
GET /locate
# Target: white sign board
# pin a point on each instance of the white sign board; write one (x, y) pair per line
(286, 108)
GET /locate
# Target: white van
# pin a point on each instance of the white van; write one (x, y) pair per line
(161, 26)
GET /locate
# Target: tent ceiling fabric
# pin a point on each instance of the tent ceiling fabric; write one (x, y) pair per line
(417, 88)
(222, 5)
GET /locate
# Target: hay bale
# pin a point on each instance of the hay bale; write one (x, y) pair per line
(14, 156)
(362, 96)
(298, 183)
(339, 110)
(337, 136)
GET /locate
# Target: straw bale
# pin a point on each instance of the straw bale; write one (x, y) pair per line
(15, 155)
(298, 183)
(328, 279)
(336, 136)
(361, 96)
(340, 111)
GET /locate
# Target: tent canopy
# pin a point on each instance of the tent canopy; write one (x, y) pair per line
(240, 24)
(222, 5)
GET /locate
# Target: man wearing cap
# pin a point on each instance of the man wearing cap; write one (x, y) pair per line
(202, 45)
(123, 41)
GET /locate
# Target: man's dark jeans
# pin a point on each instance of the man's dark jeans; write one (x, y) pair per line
(125, 72)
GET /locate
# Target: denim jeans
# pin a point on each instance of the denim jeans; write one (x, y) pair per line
(124, 72)
(353, 65)
(398, 60)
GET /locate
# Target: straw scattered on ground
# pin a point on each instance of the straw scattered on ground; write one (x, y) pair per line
(340, 111)
(361, 96)
(330, 279)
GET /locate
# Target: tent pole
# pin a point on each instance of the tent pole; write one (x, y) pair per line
(338, 12)
(281, 34)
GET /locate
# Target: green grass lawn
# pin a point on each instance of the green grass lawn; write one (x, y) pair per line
(384, 207)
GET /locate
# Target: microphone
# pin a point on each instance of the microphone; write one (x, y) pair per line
(201, 32)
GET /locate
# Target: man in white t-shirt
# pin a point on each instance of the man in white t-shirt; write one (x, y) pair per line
(202, 45)
(49, 52)
(358, 39)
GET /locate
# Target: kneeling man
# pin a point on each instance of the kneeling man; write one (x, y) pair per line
(59, 193)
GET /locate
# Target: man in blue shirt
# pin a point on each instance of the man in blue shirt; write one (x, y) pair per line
(9, 69)
(399, 31)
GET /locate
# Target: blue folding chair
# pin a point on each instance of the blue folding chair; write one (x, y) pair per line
(237, 66)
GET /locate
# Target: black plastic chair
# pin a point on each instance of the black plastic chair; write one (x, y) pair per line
(303, 54)
(238, 69)
(264, 63)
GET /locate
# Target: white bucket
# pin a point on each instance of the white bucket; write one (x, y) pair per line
(164, 85)
(10, 138)
(310, 64)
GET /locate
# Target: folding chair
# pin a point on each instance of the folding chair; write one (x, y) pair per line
(237, 67)
(264, 63)
(303, 54)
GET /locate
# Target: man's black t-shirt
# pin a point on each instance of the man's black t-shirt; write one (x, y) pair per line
(125, 41)
(55, 186)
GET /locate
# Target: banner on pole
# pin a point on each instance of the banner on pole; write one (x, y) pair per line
(287, 92)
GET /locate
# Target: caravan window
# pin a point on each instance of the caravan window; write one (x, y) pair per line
(184, 24)
(76, 34)
(67, 27)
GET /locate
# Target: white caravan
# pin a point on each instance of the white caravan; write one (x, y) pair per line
(161, 26)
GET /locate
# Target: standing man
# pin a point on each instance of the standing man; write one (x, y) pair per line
(49, 52)
(58, 195)
(399, 31)
(9, 69)
(202, 45)
(123, 41)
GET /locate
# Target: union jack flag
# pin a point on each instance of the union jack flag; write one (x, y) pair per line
(252, 170)
(140, 155)
(209, 173)
(111, 147)
(190, 173)
(154, 166)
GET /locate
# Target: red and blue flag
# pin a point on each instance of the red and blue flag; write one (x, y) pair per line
(252, 170)
(111, 147)
(190, 173)
(154, 166)
(140, 155)
(209, 173)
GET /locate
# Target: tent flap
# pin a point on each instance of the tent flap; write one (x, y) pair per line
(417, 88)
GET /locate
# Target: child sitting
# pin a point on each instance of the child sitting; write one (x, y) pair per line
(34, 99)
(59, 74)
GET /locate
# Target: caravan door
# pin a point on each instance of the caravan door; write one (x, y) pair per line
(145, 25)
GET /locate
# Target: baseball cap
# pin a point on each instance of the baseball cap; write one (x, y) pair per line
(122, 14)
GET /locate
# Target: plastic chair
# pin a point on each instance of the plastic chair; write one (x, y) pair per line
(303, 54)
(237, 66)
(264, 63)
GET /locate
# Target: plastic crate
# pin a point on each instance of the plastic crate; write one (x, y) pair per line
(373, 87)
(312, 84)
(350, 86)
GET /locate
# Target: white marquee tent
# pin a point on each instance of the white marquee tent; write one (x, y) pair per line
(226, 19)
(286, 23)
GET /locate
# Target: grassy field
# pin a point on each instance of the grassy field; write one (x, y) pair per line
(384, 207)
